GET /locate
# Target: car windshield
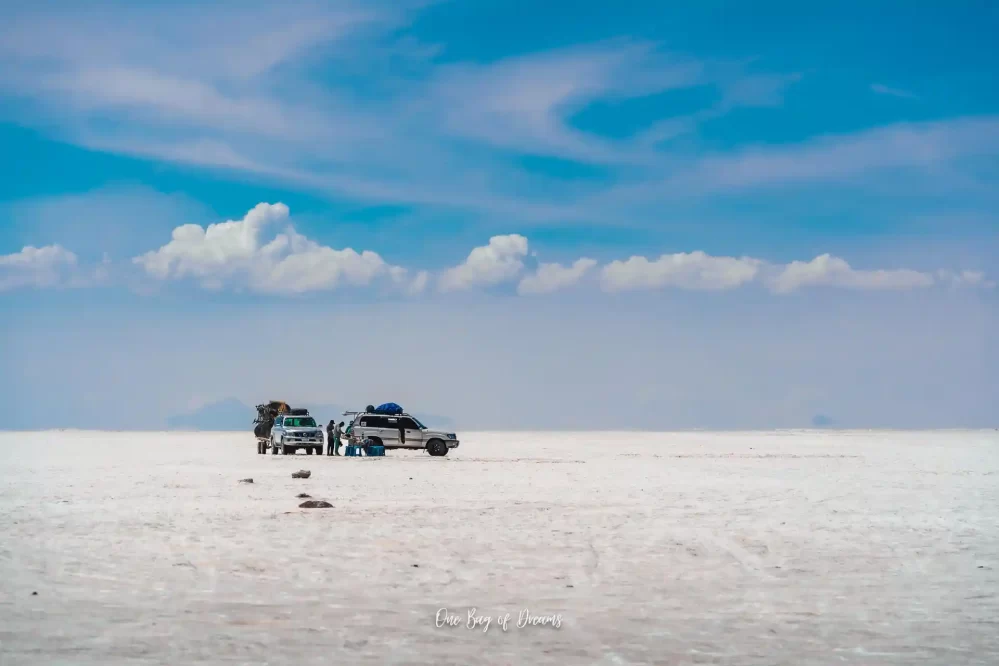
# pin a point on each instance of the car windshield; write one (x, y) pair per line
(299, 422)
(418, 424)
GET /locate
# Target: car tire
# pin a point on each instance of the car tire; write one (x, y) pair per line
(273, 448)
(436, 447)
(377, 441)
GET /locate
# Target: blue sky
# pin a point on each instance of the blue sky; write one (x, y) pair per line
(716, 214)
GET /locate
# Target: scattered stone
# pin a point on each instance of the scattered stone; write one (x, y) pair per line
(569, 586)
(416, 566)
(303, 496)
(301, 474)
(34, 594)
(246, 480)
(315, 504)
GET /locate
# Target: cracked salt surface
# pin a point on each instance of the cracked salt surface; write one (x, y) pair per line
(683, 548)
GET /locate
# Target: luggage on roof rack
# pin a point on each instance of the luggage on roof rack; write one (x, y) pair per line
(299, 411)
(270, 410)
(388, 408)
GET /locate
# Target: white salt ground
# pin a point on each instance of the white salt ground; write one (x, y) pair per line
(683, 548)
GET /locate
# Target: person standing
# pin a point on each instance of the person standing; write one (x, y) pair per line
(330, 428)
(337, 434)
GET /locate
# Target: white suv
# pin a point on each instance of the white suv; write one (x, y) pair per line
(293, 432)
(400, 431)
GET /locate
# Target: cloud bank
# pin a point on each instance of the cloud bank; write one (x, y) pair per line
(263, 253)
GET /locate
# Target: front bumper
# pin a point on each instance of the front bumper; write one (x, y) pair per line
(452, 443)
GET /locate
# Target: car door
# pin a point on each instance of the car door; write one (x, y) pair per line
(414, 436)
(276, 429)
(373, 426)
(391, 431)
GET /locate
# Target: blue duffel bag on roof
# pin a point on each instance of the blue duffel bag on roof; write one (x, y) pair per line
(388, 408)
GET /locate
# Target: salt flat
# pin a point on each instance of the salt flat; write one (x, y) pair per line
(681, 548)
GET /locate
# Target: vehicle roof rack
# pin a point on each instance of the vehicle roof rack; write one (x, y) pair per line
(354, 413)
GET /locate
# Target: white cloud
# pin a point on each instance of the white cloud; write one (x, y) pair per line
(694, 270)
(234, 252)
(521, 103)
(36, 267)
(179, 100)
(199, 252)
(700, 271)
(499, 261)
(840, 158)
(294, 264)
(966, 279)
(552, 277)
(830, 271)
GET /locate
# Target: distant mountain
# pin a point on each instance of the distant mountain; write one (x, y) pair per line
(822, 421)
(229, 414)
(232, 414)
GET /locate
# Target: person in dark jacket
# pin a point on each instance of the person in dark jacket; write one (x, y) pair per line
(329, 438)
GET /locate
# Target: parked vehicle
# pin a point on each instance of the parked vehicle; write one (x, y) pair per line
(395, 429)
(284, 429)
(292, 432)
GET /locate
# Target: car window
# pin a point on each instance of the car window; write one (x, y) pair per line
(392, 423)
(373, 422)
(410, 424)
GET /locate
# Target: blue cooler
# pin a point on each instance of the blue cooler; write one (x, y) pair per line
(374, 450)
(352, 450)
